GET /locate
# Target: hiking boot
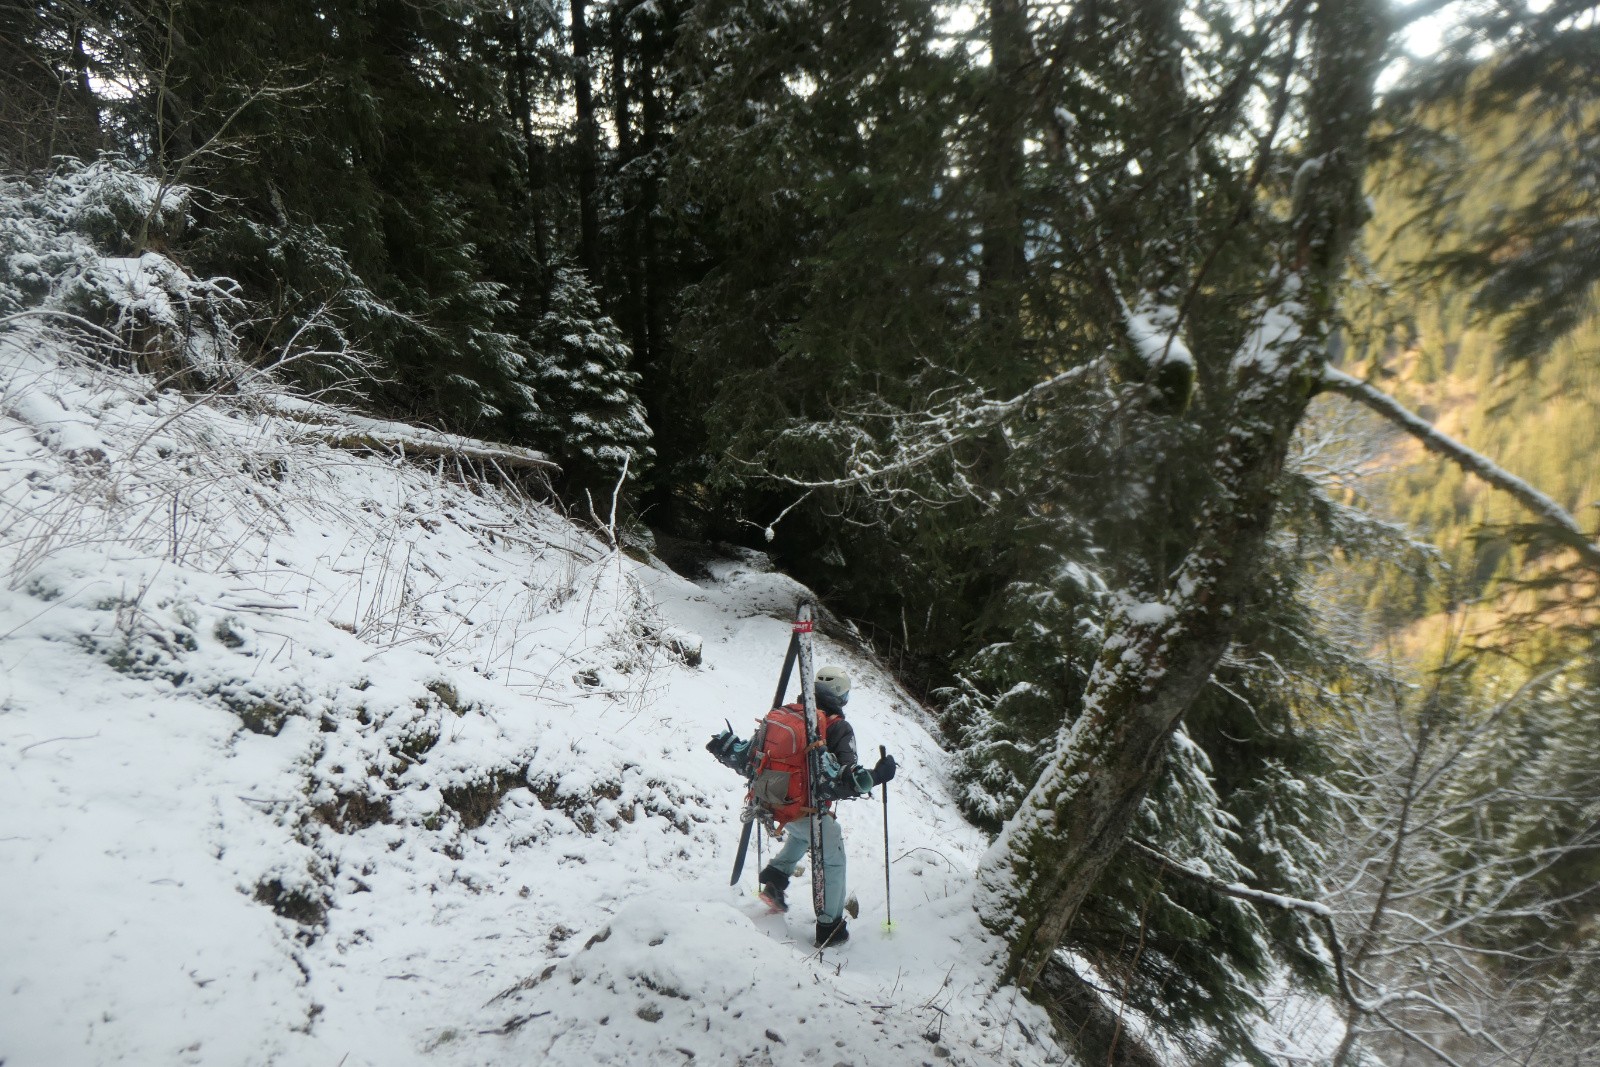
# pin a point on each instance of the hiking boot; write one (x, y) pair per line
(773, 883)
(831, 935)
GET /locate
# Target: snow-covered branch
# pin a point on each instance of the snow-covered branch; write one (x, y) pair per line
(1469, 460)
(1233, 889)
(922, 438)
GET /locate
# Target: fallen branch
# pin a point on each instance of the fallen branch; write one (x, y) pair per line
(1473, 462)
(347, 430)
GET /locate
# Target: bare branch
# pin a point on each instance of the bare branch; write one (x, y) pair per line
(934, 434)
(1467, 459)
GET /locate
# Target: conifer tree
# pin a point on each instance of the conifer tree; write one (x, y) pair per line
(361, 164)
(48, 107)
(1535, 259)
(588, 411)
(812, 173)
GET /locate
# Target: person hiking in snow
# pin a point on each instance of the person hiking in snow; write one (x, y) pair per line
(844, 777)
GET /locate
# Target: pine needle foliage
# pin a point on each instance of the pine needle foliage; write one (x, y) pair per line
(583, 392)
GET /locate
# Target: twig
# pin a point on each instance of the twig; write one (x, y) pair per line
(79, 737)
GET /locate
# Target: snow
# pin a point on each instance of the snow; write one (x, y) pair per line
(57, 428)
(1148, 613)
(319, 757)
(1153, 329)
(1269, 350)
(139, 285)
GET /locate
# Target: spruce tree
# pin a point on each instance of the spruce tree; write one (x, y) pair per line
(811, 170)
(587, 411)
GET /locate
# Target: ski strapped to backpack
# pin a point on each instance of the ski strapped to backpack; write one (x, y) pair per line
(803, 627)
(751, 810)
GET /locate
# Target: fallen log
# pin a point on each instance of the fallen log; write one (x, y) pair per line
(347, 430)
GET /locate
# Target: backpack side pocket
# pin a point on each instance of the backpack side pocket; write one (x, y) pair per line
(771, 788)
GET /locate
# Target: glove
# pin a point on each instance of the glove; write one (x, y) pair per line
(852, 781)
(722, 745)
(883, 770)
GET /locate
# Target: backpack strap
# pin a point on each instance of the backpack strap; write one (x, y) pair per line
(758, 744)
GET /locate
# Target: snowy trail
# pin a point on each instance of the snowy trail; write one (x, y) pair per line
(314, 758)
(886, 988)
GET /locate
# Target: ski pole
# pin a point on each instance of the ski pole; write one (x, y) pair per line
(888, 910)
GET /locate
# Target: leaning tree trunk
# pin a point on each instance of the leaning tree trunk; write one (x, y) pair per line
(1158, 655)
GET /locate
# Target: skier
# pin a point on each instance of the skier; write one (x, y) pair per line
(844, 777)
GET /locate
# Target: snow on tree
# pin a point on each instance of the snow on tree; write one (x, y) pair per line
(77, 244)
(589, 415)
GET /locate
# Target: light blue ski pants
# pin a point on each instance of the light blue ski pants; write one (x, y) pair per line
(796, 842)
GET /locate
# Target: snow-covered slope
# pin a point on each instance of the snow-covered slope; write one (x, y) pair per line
(312, 757)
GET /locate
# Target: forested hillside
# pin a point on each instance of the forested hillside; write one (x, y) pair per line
(1465, 360)
(1080, 356)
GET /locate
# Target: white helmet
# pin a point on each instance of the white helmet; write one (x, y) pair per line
(834, 683)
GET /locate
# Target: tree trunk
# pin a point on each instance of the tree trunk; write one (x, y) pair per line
(587, 135)
(1167, 156)
(631, 182)
(1003, 262)
(88, 103)
(1158, 655)
(621, 104)
(1084, 1022)
(653, 309)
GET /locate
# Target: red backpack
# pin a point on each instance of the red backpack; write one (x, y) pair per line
(781, 770)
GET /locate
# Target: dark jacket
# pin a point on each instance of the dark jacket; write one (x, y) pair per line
(842, 741)
(841, 737)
